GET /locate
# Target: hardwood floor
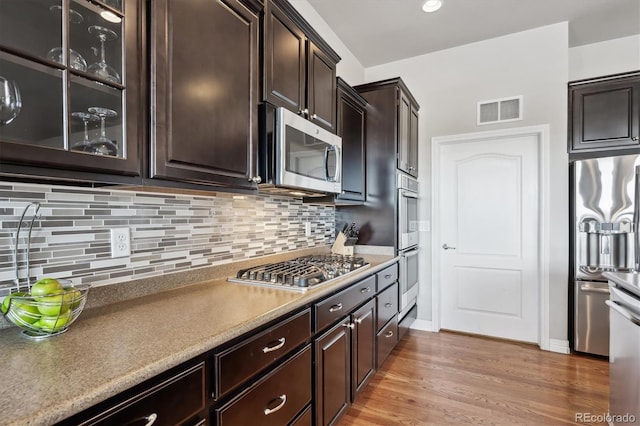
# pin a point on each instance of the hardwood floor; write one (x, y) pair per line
(449, 378)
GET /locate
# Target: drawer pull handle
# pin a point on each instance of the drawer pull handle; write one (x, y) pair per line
(386, 277)
(388, 305)
(365, 290)
(389, 334)
(151, 419)
(335, 308)
(268, 349)
(282, 398)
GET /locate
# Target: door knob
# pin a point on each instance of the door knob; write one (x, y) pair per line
(446, 247)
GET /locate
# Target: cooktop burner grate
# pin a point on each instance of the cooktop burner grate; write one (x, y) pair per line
(300, 273)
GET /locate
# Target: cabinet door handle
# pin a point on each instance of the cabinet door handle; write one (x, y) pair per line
(365, 290)
(146, 420)
(349, 325)
(386, 277)
(389, 334)
(314, 116)
(388, 305)
(335, 308)
(303, 111)
(283, 400)
(280, 344)
(359, 320)
(635, 138)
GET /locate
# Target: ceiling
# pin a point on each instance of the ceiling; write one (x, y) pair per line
(381, 31)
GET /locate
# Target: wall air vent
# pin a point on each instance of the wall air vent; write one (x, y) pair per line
(500, 110)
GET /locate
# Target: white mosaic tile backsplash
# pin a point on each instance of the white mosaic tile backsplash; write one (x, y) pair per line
(169, 233)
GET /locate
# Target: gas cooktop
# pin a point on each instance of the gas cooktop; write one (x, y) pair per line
(300, 273)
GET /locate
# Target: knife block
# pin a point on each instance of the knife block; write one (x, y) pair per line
(343, 245)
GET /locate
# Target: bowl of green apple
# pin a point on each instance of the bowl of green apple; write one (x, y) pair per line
(47, 309)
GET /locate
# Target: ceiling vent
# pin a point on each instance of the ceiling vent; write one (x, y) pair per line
(500, 110)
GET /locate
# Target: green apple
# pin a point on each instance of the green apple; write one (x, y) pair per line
(25, 310)
(72, 296)
(52, 324)
(54, 304)
(7, 301)
(46, 286)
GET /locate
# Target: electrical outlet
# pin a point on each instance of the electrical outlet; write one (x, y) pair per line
(120, 242)
(307, 229)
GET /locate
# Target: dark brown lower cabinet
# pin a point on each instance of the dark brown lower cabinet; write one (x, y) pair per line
(387, 339)
(345, 361)
(363, 347)
(333, 373)
(276, 399)
(177, 400)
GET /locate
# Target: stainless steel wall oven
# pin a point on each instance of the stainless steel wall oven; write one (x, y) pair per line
(407, 212)
(408, 242)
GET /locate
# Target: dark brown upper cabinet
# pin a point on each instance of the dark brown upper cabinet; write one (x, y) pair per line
(396, 124)
(299, 66)
(407, 132)
(351, 126)
(74, 76)
(205, 79)
(604, 116)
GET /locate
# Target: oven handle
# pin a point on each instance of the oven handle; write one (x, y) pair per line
(410, 253)
(408, 194)
(635, 319)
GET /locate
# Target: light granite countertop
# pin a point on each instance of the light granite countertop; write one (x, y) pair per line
(113, 347)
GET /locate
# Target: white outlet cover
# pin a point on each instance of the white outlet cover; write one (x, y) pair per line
(120, 242)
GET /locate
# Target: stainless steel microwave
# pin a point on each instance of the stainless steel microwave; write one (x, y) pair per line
(296, 155)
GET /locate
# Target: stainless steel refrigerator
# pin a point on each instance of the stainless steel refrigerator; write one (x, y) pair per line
(603, 240)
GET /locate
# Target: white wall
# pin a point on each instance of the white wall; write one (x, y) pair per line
(606, 58)
(447, 85)
(349, 68)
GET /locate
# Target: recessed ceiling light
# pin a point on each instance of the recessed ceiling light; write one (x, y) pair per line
(431, 5)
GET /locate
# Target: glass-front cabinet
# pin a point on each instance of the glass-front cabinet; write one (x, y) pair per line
(71, 74)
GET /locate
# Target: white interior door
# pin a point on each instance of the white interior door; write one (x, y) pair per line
(489, 237)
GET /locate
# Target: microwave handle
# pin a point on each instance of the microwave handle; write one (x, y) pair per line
(335, 177)
(410, 253)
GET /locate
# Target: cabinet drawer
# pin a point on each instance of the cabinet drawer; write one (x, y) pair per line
(341, 304)
(387, 305)
(174, 401)
(387, 276)
(274, 400)
(238, 363)
(386, 340)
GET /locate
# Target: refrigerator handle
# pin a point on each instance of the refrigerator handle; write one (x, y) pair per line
(636, 221)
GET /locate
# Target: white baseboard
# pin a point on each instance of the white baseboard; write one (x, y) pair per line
(559, 346)
(423, 325)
